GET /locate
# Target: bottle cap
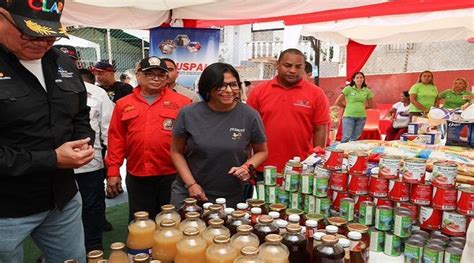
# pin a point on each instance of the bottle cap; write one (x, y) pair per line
(294, 218)
(229, 210)
(220, 201)
(311, 223)
(242, 206)
(256, 210)
(354, 235)
(280, 223)
(274, 214)
(332, 229)
(318, 235)
(344, 242)
(206, 205)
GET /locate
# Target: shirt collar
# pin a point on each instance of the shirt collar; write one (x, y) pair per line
(275, 83)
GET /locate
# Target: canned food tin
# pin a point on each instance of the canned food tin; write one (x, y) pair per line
(413, 170)
(269, 175)
(452, 255)
(402, 224)
(453, 224)
(425, 235)
(333, 159)
(413, 251)
(306, 183)
(389, 167)
(261, 191)
(292, 180)
(444, 174)
(392, 245)
(378, 187)
(377, 240)
(358, 199)
(283, 196)
(438, 242)
(309, 204)
(398, 191)
(465, 201)
(444, 199)
(320, 186)
(346, 210)
(358, 184)
(383, 218)
(439, 235)
(322, 206)
(320, 171)
(460, 245)
(383, 201)
(336, 199)
(296, 200)
(338, 180)
(366, 213)
(433, 254)
(430, 218)
(458, 239)
(358, 162)
(421, 194)
(271, 194)
(413, 210)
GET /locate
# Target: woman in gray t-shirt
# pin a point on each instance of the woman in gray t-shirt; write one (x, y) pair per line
(213, 141)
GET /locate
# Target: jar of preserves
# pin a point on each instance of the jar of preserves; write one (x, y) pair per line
(216, 227)
(167, 212)
(362, 229)
(329, 251)
(166, 238)
(244, 237)
(296, 243)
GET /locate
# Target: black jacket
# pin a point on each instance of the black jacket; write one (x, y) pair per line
(33, 123)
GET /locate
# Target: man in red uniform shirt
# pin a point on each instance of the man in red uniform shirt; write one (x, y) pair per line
(140, 131)
(295, 112)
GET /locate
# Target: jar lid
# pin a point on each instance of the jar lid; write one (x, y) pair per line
(344, 242)
(242, 206)
(191, 231)
(293, 228)
(274, 214)
(273, 238)
(255, 202)
(294, 218)
(117, 246)
(229, 210)
(106, 261)
(277, 207)
(337, 221)
(358, 227)
(190, 201)
(167, 207)
(238, 214)
(318, 235)
(192, 215)
(71, 261)
(249, 251)
(311, 223)
(167, 223)
(221, 239)
(354, 235)
(221, 201)
(329, 239)
(215, 207)
(266, 219)
(256, 210)
(216, 222)
(244, 228)
(332, 229)
(206, 205)
(141, 257)
(281, 223)
(95, 254)
(141, 215)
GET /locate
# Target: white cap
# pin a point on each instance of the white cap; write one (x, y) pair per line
(354, 235)
(294, 218)
(242, 206)
(280, 223)
(311, 223)
(332, 229)
(229, 210)
(220, 201)
(318, 235)
(344, 242)
(206, 205)
(297, 159)
(247, 216)
(274, 214)
(256, 210)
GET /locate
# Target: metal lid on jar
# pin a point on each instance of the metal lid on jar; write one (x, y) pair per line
(117, 246)
(255, 202)
(192, 215)
(266, 219)
(293, 228)
(249, 251)
(337, 221)
(190, 201)
(238, 214)
(277, 207)
(221, 239)
(191, 231)
(273, 238)
(358, 227)
(167, 223)
(215, 207)
(141, 215)
(216, 222)
(167, 207)
(244, 228)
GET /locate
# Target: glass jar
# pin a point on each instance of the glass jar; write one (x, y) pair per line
(340, 223)
(346, 245)
(237, 219)
(311, 228)
(189, 205)
(140, 233)
(222, 202)
(273, 251)
(205, 208)
(358, 249)
(299, 212)
(329, 251)
(264, 227)
(221, 251)
(228, 212)
(280, 208)
(296, 243)
(244, 237)
(249, 254)
(257, 203)
(141, 258)
(255, 213)
(94, 256)
(363, 230)
(167, 212)
(215, 211)
(192, 220)
(317, 238)
(318, 218)
(191, 248)
(166, 238)
(216, 227)
(117, 254)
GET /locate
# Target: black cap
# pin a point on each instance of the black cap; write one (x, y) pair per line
(68, 50)
(151, 63)
(103, 66)
(37, 18)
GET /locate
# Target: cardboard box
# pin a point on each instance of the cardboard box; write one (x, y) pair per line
(460, 134)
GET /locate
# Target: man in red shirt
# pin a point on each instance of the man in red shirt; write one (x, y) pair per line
(140, 131)
(295, 112)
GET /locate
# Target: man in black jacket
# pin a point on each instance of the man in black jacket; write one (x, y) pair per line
(44, 134)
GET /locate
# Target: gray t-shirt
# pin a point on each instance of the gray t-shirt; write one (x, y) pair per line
(217, 141)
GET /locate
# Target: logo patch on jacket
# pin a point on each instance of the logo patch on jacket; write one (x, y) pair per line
(128, 108)
(302, 103)
(170, 105)
(168, 124)
(64, 73)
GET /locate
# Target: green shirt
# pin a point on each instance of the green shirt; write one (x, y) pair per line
(356, 100)
(453, 100)
(425, 95)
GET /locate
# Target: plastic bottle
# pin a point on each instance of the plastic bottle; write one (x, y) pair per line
(216, 227)
(117, 254)
(192, 220)
(249, 254)
(166, 238)
(244, 237)
(221, 251)
(189, 205)
(274, 215)
(167, 212)
(311, 228)
(237, 219)
(273, 251)
(205, 207)
(346, 245)
(215, 211)
(281, 224)
(222, 202)
(329, 251)
(94, 256)
(140, 234)
(317, 239)
(296, 243)
(358, 249)
(264, 227)
(191, 248)
(255, 213)
(243, 207)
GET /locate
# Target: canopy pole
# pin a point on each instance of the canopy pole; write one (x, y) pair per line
(109, 46)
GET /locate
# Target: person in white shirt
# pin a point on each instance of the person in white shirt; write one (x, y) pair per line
(399, 116)
(173, 74)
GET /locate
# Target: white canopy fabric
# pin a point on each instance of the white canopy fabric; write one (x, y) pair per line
(419, 27)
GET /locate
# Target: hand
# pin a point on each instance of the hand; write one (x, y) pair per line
(74, 154)
(113, 186)
(240, 172)
(197, 192)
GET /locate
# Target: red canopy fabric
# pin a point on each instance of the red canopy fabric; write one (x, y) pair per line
(357, 56)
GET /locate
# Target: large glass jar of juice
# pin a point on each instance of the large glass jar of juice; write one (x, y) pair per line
(329, 251)
(166, 238)
(215, 211)
(237, 219)
(192, 220)
(244, 237)
(221, 251)
(140, 234)
(94, 256)
(167, 212)
(264, 227)
(273, 251)
(191, 248)
(216, 227)
(141, 258)
(296, 243)
(117, 253)
(249, 254)
(189, 205)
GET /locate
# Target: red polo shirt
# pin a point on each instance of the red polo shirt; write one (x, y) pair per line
(141, 133)
(289, 116)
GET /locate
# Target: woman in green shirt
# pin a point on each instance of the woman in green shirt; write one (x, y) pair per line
(355, 98)
(457, 96)
(423, 95)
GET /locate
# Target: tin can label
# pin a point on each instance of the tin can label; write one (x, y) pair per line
(402, 226)
(260, 191)
(296, 201)
(398, 191)
(358, 184)
(382, 201)
(338, 181)
(451, 258)
(271, 194)
(444, 199)
(432, 256)
(453, 224)
(322, 206)
(465, 201)
(346, 210)
(366, 214)
(383, 218)
(333, 159)
(336, 199)
(309, 204)
(444, 174)
(320, 171)
(392, 245)
(389, 167)
(430, 218)
(320, 186)
(358, 162)
(269, 175)
(413, 171)
(306, 183)
(283, 197)
(421, 194)
(413, 210)
(413, 253)
(292, 181)
(378, 187)
(377, 240)
(358, 200)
